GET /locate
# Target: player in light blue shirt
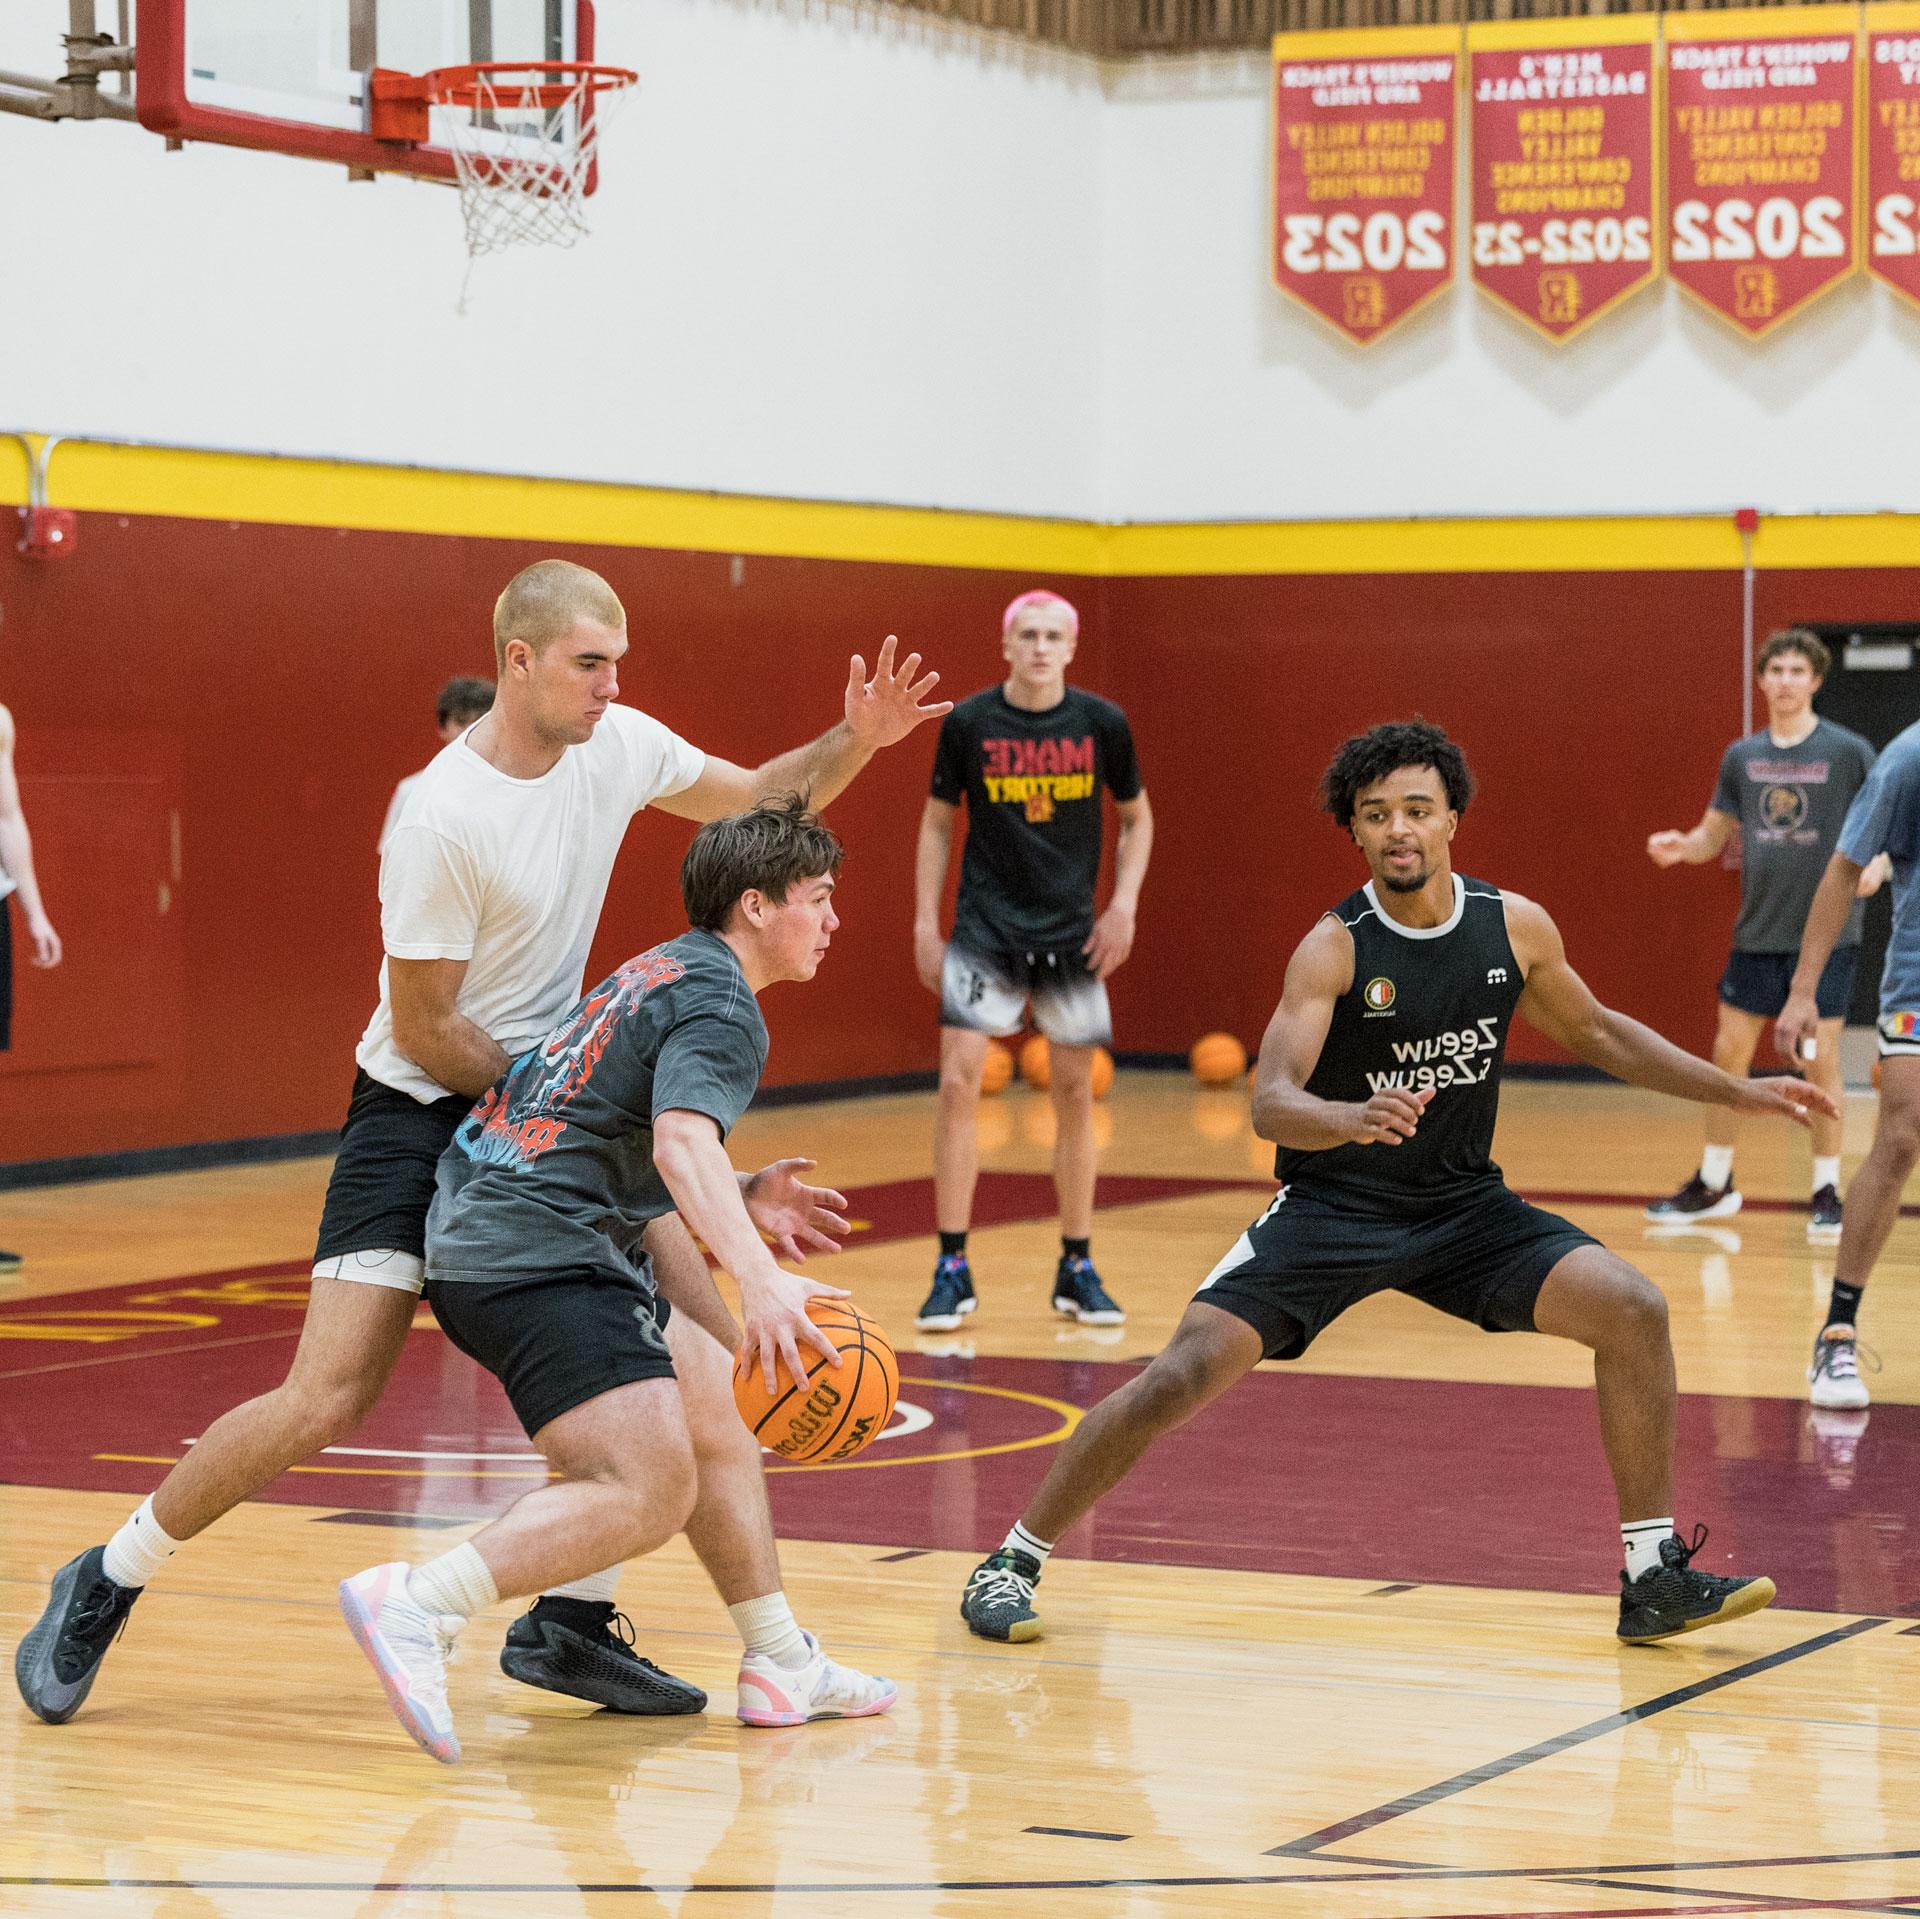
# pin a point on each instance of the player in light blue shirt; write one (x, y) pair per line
(1884, 818)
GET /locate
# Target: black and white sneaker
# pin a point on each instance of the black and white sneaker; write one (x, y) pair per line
(59, 1659)
(10, 1262)
(1675, 1599)
(1824, 1215)
(952, 1298)
(998, 1600)
(585, 1650)
(1078, 1294)
(1833, 1379)
(1696, 1200)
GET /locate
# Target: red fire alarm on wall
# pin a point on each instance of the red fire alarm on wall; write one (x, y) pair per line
(47, 532)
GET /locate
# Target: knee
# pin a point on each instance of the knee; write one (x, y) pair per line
(1172, 1388)
(1637, 1313)
(959, 1081)
(326, 1409)
(1732, 1054)
(673, 1484)
(1898, 1134)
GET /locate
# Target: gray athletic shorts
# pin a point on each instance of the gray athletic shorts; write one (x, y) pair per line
(990, 993)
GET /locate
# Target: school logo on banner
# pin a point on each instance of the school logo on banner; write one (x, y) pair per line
(1363, 153)
(1760, 159)
(1563, 167)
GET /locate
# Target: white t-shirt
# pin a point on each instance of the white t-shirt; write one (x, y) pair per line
(510, 875)
(397, 805)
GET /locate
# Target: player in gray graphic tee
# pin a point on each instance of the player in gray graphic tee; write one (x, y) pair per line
(1785, 791)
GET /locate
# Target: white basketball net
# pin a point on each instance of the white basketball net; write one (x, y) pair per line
(523, 167)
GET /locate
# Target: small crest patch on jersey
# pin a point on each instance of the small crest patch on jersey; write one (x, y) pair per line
(1379, 993)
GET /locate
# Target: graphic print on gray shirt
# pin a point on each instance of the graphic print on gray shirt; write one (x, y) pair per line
(552, 1171)
(1791, 802)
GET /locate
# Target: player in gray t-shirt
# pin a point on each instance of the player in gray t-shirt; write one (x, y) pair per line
(1785, 790)
(1883, 825)
(537, 1269)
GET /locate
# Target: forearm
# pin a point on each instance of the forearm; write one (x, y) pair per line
(930, 860)
(1629, 1051)
(1290, 1116)
(16, 859)
(455, 1052)
(708, 1195)
(822, 769)
(1826, 921)
(1131, 853)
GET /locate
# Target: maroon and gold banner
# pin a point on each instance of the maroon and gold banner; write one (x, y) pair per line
(1363, 157)
(1893, 147)
(1564, 165)
(1760, 158)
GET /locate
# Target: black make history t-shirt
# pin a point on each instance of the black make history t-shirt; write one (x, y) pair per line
(1032, 785)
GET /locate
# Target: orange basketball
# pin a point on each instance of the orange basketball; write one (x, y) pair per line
(1217, 1059)
(833, 1412)
(997, 1069)
(1034, 1068)
(1102, 1072)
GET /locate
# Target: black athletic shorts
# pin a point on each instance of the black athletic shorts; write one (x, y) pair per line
(1302, 1263)
(556, 1341)
(382, 1182)
(1759, 983)
(6, 971)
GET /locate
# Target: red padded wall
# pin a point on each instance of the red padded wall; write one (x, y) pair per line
(269, 684)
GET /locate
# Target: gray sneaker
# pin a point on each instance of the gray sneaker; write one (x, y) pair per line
(998, 1600)
(58, 1660)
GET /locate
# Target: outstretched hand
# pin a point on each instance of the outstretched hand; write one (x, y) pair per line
(796, 1217)
(1795, 1099)
(886, 708)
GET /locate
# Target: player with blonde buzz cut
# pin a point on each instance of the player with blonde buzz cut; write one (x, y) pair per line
(1029, 759)
(490, 890)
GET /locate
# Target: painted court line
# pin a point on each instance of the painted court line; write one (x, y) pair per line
(1562, 1742)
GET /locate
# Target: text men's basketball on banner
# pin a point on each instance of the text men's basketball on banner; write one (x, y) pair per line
(1760, 158)
(1364, 133)
(1563, 130)
(1893, 147)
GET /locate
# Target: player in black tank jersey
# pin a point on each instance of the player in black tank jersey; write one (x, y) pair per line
(1379, 1083)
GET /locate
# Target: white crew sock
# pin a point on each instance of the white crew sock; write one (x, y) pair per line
(1022, 1541)
(457, 1582)
(1641, 1538)
(1826, 1171)
(139, 1549)
(1716, 1167)
(596, 1587)
(767, 1628)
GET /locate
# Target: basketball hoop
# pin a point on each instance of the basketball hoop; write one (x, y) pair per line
(523, 150)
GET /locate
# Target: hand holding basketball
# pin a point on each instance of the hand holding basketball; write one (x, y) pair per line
(774, 1324)
(796, 1217)
(1391, 1115)
(826, 1415)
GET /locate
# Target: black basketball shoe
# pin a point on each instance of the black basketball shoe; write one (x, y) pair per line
(998, 1600)
(1674, 1598)
(1696, 1200)
(1078, 1294)
(584, 1649)
(1825, 1216)
(58, 1659)
(952, 1297)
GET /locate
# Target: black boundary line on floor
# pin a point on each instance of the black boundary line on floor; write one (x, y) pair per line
(1901, 1903)
(1493, 1769)
(1141, 1881)
(912, 1552)
(1074, 1832)
(1387, 1592)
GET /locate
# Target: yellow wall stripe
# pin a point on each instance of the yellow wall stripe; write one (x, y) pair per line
(267, 489)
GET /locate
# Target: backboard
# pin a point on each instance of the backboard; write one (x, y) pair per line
(291, 76)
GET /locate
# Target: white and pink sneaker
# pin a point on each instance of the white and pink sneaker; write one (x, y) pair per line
(409, 1649)
(772, 1696)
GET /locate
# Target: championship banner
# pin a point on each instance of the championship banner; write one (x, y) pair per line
(1761, 200)
(1363, 158)
(1893, 147)
(1564, 133)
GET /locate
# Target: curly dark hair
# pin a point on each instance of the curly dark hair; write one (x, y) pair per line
(1369, 757)
(770, 848)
